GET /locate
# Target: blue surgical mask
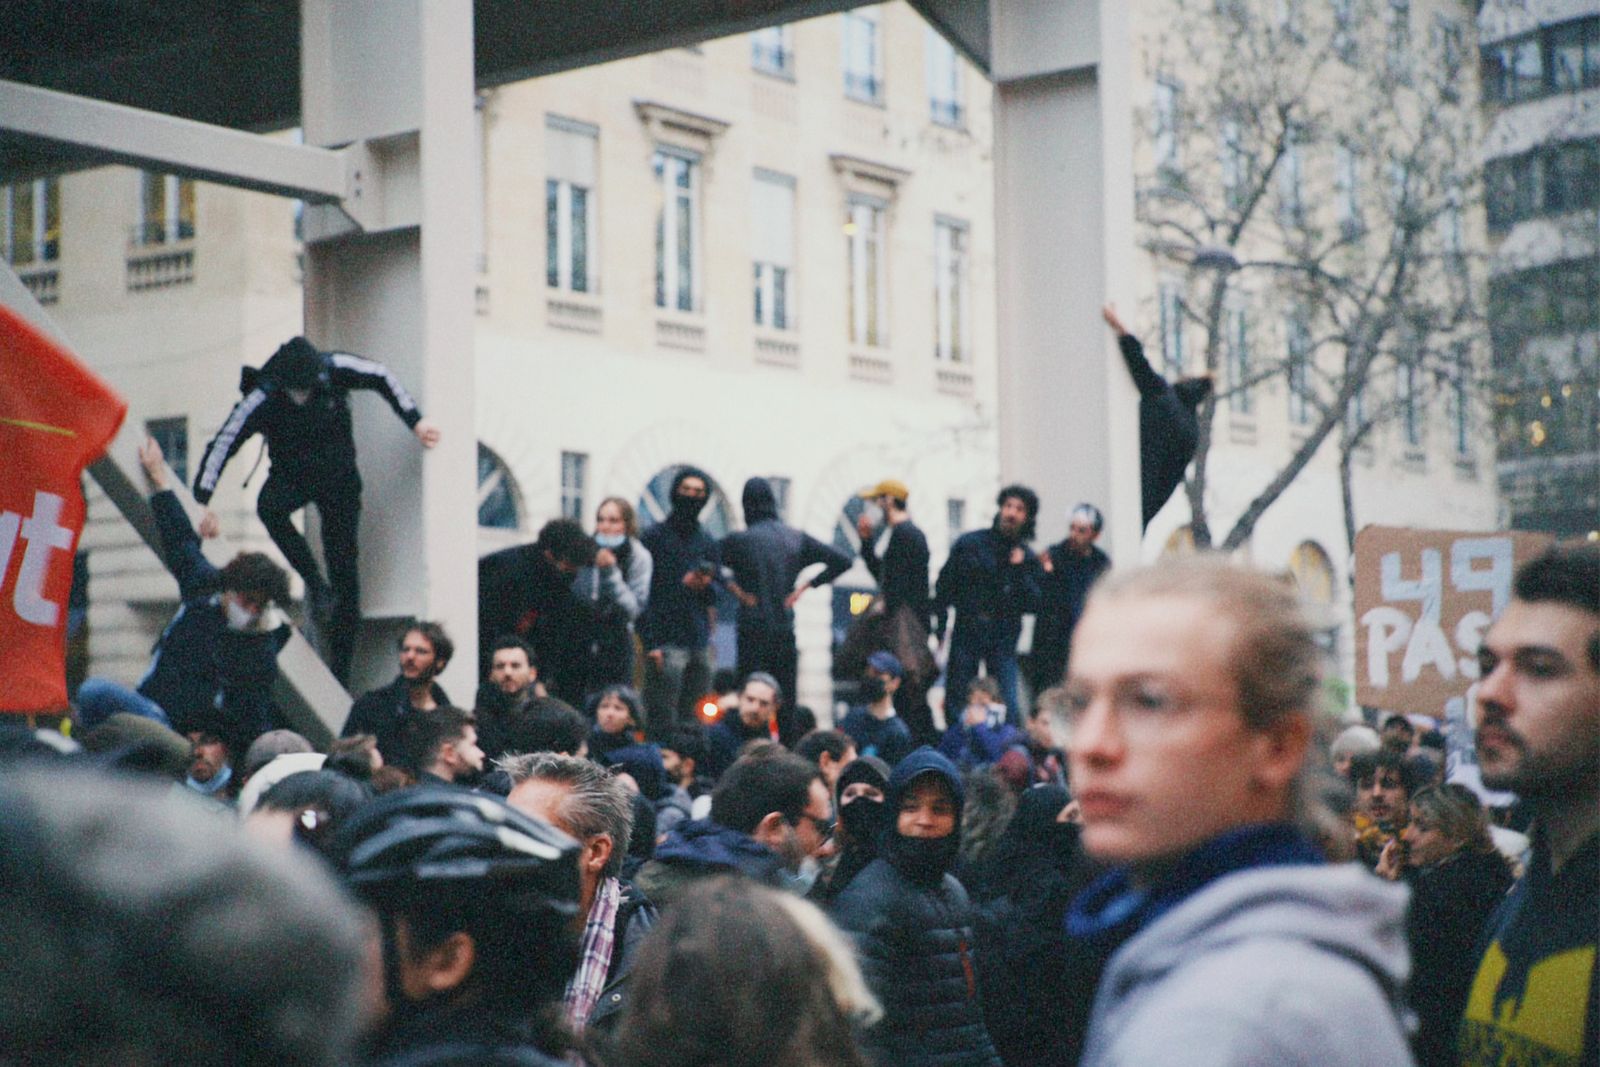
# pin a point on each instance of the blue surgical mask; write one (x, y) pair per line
(610, 540)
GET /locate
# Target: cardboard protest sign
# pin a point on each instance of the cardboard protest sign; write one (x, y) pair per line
(1423, 601)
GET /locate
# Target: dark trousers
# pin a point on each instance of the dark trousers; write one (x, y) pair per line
(774, 651)
(992, 643)
(338, 502)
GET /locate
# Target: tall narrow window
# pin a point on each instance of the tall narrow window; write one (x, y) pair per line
(31, 222)
(944, 81)
(571, 259)
(781, 487)
(1398, 35)
(166, 209)
(1347, 190)
(1461, 409)
(677, 231)
(173, 437)
(1291, 200)
(868, 295)
(1166, 130)
(1408, 381)
(1299, 370)
(772, 231)
(950, 291)
(1237, 324)
(955, 518)
(863, 56)
(772, 51)
(1344, 30)
(1170, 296)
(1235, 163)
(574, 477)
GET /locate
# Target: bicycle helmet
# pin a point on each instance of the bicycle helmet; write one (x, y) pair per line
(414, 844)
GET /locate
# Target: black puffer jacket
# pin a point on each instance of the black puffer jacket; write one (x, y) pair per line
(913, 934)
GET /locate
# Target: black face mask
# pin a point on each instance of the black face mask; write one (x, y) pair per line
(924, 860)
(687, 508)
(863, 821)
(873, 688)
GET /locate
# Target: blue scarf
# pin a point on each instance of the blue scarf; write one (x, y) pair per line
(218, 783)
(1113, 909)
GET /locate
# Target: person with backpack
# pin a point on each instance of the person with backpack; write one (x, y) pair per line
(299, 402)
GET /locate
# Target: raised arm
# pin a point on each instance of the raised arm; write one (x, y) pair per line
(180, 544)
(350, 371)
(1144, 376)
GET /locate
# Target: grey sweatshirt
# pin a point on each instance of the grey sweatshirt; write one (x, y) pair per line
(1274, 966)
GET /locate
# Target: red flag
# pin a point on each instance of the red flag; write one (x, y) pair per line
(55, 417)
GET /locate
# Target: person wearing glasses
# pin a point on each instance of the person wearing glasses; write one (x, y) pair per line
(1226, 937)
(771, 818)
(912, 925)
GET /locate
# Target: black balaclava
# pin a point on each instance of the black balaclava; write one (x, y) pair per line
(760, 502)
(686, 512)
(296, 364)
(923, 860)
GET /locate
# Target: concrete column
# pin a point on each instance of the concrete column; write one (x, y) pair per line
(1064, 205)
(398, 75)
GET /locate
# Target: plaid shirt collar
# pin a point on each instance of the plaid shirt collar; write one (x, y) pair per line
(594, 960)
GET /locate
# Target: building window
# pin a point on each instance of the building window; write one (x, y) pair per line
(1461, 395)
(864, 231)
(1235, 164)
(772, 51)
(574, 477)
(571, 258)
(677, 231)
(1397, 26)
(1574, 51)
(32, 222)
(1514, 70)
(1299, 370)
(173, 436)
(1347, 190)
(944, 81)
(499, 501)
(1291, 199)
(950, 291)
(772, 232)
(1170, 298)
(863, 56)
(1344, 30)
(166, 209)
(1407, 382)
(955, 518)
(1237, 323)
(1166, 132)
(1452, 237)
(1549, 180)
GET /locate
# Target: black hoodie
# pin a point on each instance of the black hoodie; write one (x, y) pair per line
(767, 557)
(1169, 432)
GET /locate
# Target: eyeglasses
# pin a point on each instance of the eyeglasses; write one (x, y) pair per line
(1143, 707)
(825, 827)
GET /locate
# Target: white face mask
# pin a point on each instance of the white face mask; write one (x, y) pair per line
(239, 617)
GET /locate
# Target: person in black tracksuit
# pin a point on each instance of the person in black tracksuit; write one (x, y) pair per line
(299, 402)
(1169, 430)
(765, 559)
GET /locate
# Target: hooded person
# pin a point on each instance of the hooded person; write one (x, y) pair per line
(675, 628)
(912, 925)
(1037, 994)
(763, 563)
(299, 402)
(1169, 430)
(859, 805)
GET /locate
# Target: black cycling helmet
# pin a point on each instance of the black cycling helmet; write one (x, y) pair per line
(415, 844)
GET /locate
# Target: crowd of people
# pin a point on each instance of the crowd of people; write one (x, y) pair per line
(1141, 844)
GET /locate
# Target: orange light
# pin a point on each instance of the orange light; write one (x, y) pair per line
(710, 710)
